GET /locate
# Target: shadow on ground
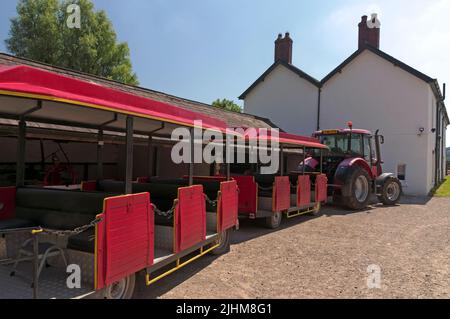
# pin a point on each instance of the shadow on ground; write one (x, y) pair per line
(251, 229)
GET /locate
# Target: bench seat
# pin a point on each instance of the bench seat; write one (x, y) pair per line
(16, 223)
(84, 242)
(162, 193)
(59, 210)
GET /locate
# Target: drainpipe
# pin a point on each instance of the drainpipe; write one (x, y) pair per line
(437, 147)
(318, 108)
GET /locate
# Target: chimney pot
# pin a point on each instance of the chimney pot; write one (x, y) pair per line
(283, 48)
(368, 35)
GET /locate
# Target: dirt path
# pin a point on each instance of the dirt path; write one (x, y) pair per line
(327, 256)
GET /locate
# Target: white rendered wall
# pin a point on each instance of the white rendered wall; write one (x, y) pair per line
(288, 100)
(375, 94)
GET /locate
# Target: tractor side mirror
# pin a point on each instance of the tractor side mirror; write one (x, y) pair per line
(381, 139)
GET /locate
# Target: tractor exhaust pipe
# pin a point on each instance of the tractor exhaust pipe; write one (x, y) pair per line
(378, 140)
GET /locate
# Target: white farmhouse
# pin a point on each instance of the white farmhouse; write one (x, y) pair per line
(373, 90)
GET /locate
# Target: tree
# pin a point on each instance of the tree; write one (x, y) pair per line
(40, 32)
(227, 105)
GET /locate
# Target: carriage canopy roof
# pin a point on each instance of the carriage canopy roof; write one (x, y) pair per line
(285, 139)
(21, 86)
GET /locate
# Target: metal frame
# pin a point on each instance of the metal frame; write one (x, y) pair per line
(34, 231)
(177, 259)
(21, 144)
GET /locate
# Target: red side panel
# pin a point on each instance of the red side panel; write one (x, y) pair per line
(7, 202)
(248, 194)
(303, 191)
(190, 217)
(228, 205)
(281, 194)
(143, 180)
(128, 238)
(321, 188)
(90, 186)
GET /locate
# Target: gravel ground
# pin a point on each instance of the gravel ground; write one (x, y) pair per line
(327, 256)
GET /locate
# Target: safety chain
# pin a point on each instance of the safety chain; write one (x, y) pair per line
(168, 214)
(76, 231)
(213, 203)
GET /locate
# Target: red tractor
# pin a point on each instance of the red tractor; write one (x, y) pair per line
(353, 167)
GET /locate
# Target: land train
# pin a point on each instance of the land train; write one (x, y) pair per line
(71, 230)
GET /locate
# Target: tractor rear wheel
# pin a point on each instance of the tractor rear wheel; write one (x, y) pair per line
(390, 191)
(358, 184)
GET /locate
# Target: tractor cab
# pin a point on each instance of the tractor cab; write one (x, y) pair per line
(352, 164)
(349, 144)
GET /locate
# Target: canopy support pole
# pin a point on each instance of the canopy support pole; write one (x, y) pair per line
(281, 160)
(151, 158)
(304, 160)
(227, 163)
(21, 144)
(321, 161)
(191, 162)
(129, 156)
(100, 146)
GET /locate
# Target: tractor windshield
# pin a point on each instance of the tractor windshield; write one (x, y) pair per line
(343, 144)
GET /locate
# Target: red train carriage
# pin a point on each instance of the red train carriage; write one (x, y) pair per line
(110, 230)
(290, 193)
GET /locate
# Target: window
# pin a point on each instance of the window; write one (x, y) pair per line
(337, 143)
(368, 154)
(401, 172)
(356, 144)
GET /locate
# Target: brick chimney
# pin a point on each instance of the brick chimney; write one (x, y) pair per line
(369, 32)
(283, 48)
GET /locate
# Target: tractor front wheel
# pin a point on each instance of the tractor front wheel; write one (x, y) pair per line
(358, 184)
(390, 191)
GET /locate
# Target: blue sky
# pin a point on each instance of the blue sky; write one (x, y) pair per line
(208, 49)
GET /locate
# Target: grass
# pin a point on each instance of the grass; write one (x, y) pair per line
(444, 189)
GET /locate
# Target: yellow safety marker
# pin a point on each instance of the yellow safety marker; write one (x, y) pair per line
(36, 231)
